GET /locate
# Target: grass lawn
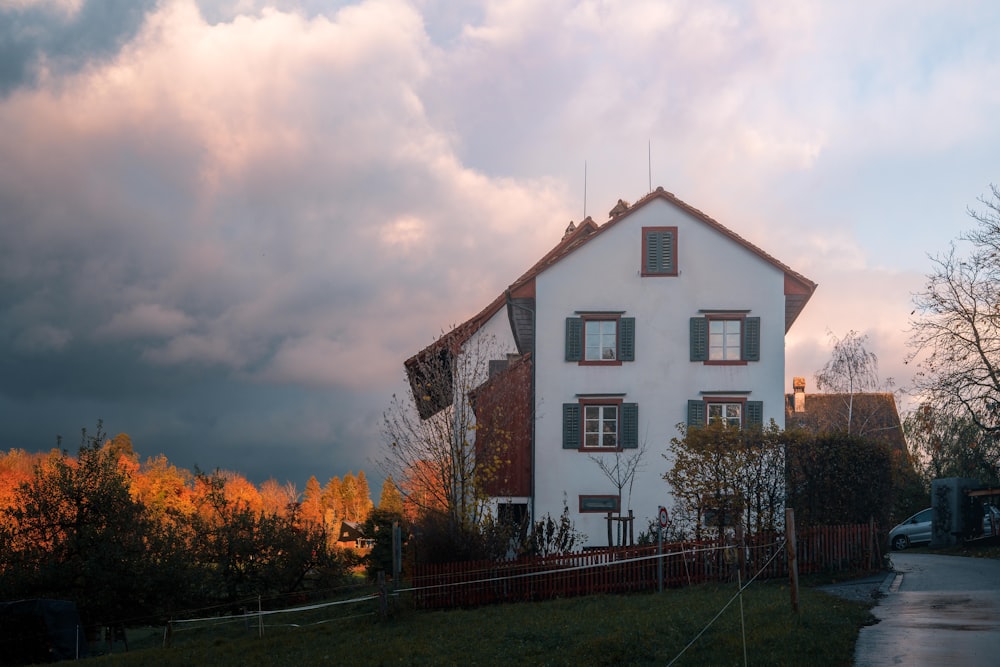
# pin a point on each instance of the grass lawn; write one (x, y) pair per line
(640, 629)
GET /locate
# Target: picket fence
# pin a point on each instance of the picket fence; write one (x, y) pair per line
(853, 549)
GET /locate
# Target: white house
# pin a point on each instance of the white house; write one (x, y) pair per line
(659, 316)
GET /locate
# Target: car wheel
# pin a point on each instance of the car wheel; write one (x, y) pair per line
(900, 542)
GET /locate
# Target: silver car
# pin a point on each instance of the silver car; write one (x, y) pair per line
(991, 520)
(914, 530)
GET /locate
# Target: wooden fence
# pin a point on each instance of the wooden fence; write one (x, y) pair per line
(628, 569)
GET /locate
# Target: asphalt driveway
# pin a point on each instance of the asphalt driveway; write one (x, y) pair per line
(937, 610)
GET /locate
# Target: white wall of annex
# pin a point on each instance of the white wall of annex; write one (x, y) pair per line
(715, 272)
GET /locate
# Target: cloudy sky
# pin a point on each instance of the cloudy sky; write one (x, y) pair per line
(225, 224)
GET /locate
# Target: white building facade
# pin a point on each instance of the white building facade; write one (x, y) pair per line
(658, 317)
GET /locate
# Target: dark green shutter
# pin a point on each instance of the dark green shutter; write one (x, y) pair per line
(571, 426)
(667, 252)
(696, 414)
(699, 339)
(659, 252)
(574, 339)
(654, 255)
(751, 339)
(626, 339)
(755, 413)
(630, 426)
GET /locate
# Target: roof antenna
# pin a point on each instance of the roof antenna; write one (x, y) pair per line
(584, 189)
(649, 161)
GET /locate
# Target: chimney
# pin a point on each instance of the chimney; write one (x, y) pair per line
(799, 389)
(569, 230)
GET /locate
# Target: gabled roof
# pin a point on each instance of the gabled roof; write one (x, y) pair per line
(350, 531)
(798, 288)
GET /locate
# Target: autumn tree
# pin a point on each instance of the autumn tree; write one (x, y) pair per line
(311, 511)
(250, 552)
(390, 500)
(723, 474)
(76, 531)
(364, 496)
(333, 503)
(164, 490)
(955, 328)
(276, 498)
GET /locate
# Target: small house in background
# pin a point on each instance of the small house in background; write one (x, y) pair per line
(870, 415)
(352, 536)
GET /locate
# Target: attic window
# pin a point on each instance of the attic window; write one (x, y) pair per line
(659, 251)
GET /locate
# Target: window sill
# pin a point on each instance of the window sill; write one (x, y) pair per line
(614, 362)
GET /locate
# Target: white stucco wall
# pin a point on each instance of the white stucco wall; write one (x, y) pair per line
(604, 275)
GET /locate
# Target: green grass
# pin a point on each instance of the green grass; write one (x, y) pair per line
(640, 629)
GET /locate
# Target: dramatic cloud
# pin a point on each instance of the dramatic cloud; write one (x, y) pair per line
(227, 222)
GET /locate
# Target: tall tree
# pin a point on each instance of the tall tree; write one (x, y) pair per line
(275, 498)
(312, 503)
(948, 445)
(364, 502)
(349, 495)
(391, 500)
(429, 436)
(955, 328)
(333, 503)
(851, 370)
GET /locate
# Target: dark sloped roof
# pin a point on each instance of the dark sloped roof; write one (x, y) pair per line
(873, 415)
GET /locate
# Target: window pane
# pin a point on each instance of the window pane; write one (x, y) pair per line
(601, 340)
(600, 426)
(724, 340)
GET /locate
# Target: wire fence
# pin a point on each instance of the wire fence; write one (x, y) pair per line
(852, 549)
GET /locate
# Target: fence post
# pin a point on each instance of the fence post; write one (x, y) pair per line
(741, 560)
(397, 554)
(793, 566)
(260, 617)
(383, 604)
(659, 554)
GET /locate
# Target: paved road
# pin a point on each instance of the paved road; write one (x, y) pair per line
(938, 610)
